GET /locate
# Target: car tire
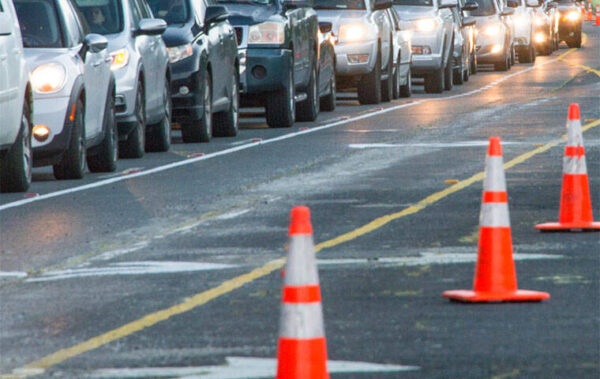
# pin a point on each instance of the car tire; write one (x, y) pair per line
(105, 158)
(473, 64)
(434, 81)
(15, 172)
(406, 89)
(226, 124)
(72, 163)
(281, 105)
(527, 54)
(396, 81)
(201, 130)
(467, 73)
(387, 85)
(449, 74)
(133, 146)
(328, 101)
(369, 86)
(504, 65)
(308, 110)
(458, 73)
(513, 56)
(158, 136)
(575, 41)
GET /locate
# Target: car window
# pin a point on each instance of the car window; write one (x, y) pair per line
(39, 21)
(144, 12)
(427, 3)
(172, 11)
(262, 2)
(72, 28)
(339, 4)
(486, 8)
(102, 16)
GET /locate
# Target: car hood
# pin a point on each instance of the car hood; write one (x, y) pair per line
(337, 17)
(409, 12)
(35, 57)
(117, 41)
(566, 8)
(483, 20)
(178, 34)
(249, 14)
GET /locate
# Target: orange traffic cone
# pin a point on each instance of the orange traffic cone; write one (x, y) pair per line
(302, 349)
(590, 15)
(597, 23)
(575, 203)
(583, 11)
(495, 275)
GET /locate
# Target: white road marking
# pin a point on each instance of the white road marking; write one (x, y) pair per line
(12, 274)
(427, 259)
(231, 215)
(432, 145)
(130, 268)
(232, 150)
(239, 367)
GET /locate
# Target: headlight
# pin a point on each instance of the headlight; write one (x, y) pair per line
(426, 25)
(119, 59)
(539, 20)
(267, 33)
(177, 53)
(539, 37)
(573, 15)
(354, 33)
(48, 78)
(492, 30)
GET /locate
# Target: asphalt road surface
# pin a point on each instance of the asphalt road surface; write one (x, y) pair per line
(171, 267)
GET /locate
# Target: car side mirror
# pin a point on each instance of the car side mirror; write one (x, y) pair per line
(507, 12)
(293, 4)
(471, 6)
(382, 4)
(151, 27)
(448, 4)
(533, 3)
(215, 13)
(325, 27)
(512, 4)
(469, 21)
(95, 42)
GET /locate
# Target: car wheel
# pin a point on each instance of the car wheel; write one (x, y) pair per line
(458, 73)
(434, 81)
(526, 54)
(15, 172)
(467, 72)
(396, 81)
(133, 146)
(513, 56)
(105, 158)
(158, 136)
(575, 41)
(281, 105)
(308, 110)
(504, 65)
(201, 130)
(369, 86)
(406, 90)
(328, 101)
(226, 124)
(473, 64)
(449, 74)
(387, 85)
(72, 164)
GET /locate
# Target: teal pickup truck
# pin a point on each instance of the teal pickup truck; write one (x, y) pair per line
(278, 46)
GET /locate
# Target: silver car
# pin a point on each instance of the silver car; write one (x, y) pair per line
(402, 79)
(73, 89)
(464, 42)
(140, 64)
(363, 49)
(523, 28)
(433, 38)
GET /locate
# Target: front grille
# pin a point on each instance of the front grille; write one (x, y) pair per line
(239, 33)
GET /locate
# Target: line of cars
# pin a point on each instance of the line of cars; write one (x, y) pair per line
(84, 82)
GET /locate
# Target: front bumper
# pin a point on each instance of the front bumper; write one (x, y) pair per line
(186, 90)
(264, 70)
(126, 80)
(426, 63)
(54, 113)
(484, 48)
(344, 53)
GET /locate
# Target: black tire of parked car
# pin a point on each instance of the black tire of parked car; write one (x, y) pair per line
(369, 86)
(406, 89)
(387, 85)
(473, 63)
(201, 130)
(575, 41)
(106, 154)
(459, 77)
(434, 81)
(15, 172)
(226, 124)
(513, 56)
(449, 71)
(308, 110)
(328, 101)
(158, 136)
(281, 105)
(467, 72)
(396, 80)
(504, 64)
(134, 145)
(527, 54)
(72, 164)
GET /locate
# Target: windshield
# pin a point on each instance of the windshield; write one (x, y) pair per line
(426, 3)
(39, 21)
(339, 4)
(172, 11)
(486, 8)
(103, 16)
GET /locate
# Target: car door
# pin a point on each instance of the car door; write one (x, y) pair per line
(382, 21)
(297, 25)
(6, 34)
(219, 35)
(11, 55)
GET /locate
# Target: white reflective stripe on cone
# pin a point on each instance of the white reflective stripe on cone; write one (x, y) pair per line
(301, 321)
(494, 174)
(494, 215)
(574, 165)
(301, 266)
(574, 134)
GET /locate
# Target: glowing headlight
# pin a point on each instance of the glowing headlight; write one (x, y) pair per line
(426, 25)
(539, 37)
(119, 59)
(573, 15)
(492, 30)
(353, 32)
(48, 78)
(267, 33)
(177, 53)
(539, 20)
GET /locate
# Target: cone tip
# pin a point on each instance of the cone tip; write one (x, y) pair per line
(300, 221)
(574, 112)
(495, 148)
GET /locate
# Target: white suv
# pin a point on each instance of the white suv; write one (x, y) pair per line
(15, 105)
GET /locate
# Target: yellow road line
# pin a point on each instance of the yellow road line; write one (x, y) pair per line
(239, 281)
(586, 68)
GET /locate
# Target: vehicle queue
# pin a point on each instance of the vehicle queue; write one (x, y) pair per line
(83, 82)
